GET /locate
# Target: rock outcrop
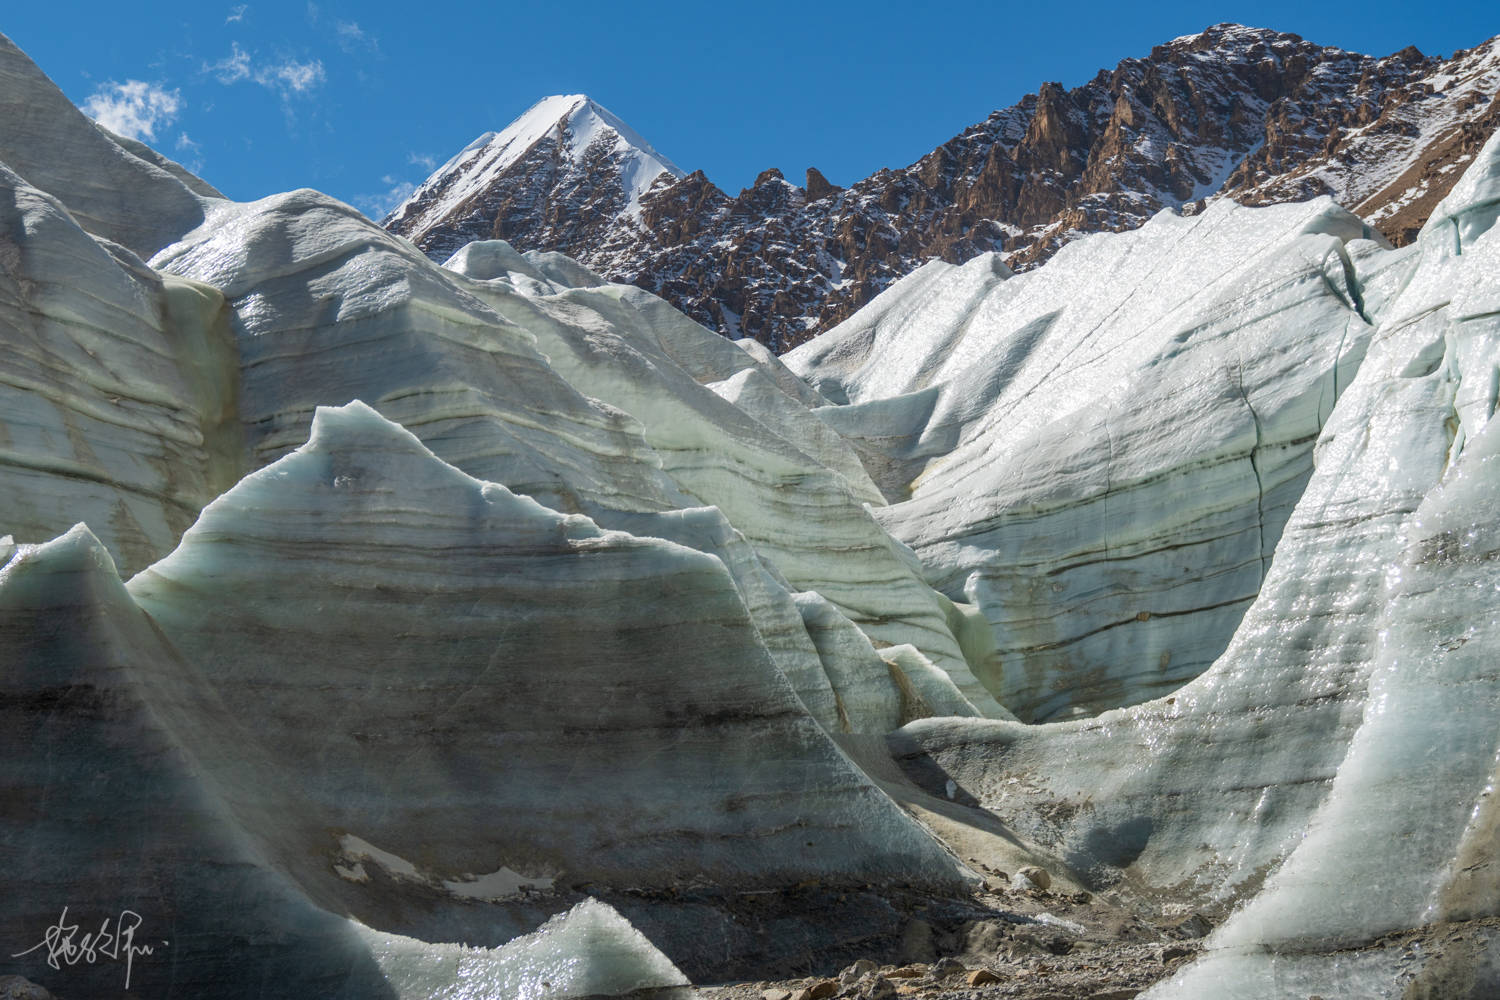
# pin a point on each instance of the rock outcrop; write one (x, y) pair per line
(1251, 114)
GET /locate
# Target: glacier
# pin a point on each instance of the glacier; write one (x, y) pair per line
(589, 951)
(375, 628)
(1064, 450)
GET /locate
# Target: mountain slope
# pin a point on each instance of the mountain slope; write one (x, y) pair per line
(1257, 115)
(557, 176)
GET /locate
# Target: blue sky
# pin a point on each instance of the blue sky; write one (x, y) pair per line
(361, 99)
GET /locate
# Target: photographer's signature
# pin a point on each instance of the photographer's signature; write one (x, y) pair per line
(64, 946)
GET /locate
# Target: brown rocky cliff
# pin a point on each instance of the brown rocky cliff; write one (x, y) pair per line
(1258, 115)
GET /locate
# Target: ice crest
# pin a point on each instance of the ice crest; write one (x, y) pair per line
(588, 951)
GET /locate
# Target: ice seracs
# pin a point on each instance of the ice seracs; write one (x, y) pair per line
(1100, 455)
(498, 627)
(1343, 745)
(589, 951)
(119, 405)
(1409, 816)
(794, 490)
(522, 672)
(110, 815)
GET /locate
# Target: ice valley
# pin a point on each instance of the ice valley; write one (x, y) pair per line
(374, 628)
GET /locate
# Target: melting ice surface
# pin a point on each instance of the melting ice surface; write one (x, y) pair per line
(588, 951)
(589, 594)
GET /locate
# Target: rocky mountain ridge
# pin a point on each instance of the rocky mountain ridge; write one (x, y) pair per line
(1248, 113)
(563, 174)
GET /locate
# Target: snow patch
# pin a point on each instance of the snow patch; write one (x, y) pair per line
(504, 883)
(575, 119)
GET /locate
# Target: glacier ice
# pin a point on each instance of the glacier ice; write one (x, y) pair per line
(1409, 816)
(118, 405)
(107, 812)
(437, 618)
(1104, 475)
(589, 951)
(806, 515)
(465, 603)
(1341, 750)
(462, 364)
(247, 319)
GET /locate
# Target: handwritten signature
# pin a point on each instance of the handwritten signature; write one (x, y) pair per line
(63, 949)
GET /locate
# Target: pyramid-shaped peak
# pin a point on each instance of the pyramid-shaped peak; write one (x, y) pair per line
(584, 119)
(578, 116)
(584, 128)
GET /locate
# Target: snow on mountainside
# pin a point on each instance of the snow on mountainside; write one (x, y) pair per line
(557, 173)
(1257, 115)
(1393, 153)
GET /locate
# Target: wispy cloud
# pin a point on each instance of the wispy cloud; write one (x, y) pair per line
(233, 67)
(190, 152)
(134, 109)
(426, 161)
(288, 78)
(378, 206)
(291, 77)
(237, 13)
(353, 38)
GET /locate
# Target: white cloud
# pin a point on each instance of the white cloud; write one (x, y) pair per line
(291, 77)
(352, 37)
(236, 13)
(378, 206)
(426, 161)
(134, 108)
(232, 68)
(186, 144)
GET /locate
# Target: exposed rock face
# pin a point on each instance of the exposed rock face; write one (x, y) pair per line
(559, 177)
(1253, 114)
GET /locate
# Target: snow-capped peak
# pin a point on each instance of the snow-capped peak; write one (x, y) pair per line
(578, 123)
